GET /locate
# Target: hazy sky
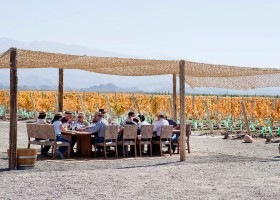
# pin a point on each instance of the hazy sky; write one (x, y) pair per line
(236, 32)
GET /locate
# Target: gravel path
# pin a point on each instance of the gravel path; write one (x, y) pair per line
(216, 169)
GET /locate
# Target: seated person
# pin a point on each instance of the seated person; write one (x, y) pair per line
(142, 121)
(103, 112)
(67, 117)
(175, 137)
(129, 119)
(41, 118)
(98, 129)
(171, 122)
(80, 123)
(157, 127)
(157, 130)
(58, 129)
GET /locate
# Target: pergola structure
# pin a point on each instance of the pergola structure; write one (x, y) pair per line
(194, 74)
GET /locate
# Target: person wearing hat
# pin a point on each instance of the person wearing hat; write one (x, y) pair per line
(80, 123)
(67, 117)
(98, 130)
(103, 112)
(58, 128)
(41, 118)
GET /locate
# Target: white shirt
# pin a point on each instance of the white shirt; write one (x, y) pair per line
(159, 124)
(57, 129)
(143, 123)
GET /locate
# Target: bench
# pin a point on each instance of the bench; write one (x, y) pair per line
(46, 135)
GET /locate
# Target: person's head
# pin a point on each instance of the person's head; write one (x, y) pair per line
(68, 114)
(160, 116)
(102, 111)
(136, 120)
(57, 117)
(131, 114)
(97, 116)
(81, 117)
(42, 115)
(141, 117)
(165, 117)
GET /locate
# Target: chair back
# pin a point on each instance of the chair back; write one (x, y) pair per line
(42, 131)
(147, 131)
(166, 131)
(130, 132)
(111, 132)
(188, 129)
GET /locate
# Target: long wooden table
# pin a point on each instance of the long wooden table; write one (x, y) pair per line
(84, 146)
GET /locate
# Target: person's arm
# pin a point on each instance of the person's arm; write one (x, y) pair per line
(93, 129)
(62, 128)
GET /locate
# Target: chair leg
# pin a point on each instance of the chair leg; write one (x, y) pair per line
(116, 150)
(105, 154)
(135, 149)
(160, 147)
(140, 150)
(151, 149)
(69, 151)
(170, 152)
(95, 147)
(123, 150)
(53, 151)
(188, 144)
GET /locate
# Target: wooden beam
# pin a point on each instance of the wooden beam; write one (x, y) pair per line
(174, 110)
(60, 91)
(13, 109)
(182, 112)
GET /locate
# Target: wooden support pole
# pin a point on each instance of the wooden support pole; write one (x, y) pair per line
(245, 116)
(174, 112)
(182, 112)
(60, 91)
(13, 109)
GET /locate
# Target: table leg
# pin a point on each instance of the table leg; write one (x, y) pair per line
(84, 146)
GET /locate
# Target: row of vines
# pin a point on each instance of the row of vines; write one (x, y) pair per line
(260, 110)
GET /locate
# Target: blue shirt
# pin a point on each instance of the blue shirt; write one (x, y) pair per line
(99, 127)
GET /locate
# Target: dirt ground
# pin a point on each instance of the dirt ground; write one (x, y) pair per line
(215, 169)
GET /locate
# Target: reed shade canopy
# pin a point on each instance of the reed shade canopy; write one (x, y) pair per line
(197, 74)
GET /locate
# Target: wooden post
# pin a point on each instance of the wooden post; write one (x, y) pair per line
(13, 109)
(182, 112)
(60, 91)
(174, 113)
(245, 116)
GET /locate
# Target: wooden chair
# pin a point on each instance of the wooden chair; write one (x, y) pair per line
(146, 135)
(129, 138)
(47, 135)
(188, 134)
(111, 133)
(166, 133)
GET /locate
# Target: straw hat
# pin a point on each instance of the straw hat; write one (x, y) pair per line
(98, 114)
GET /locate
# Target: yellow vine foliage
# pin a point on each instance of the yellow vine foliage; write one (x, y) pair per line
(261, 108)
